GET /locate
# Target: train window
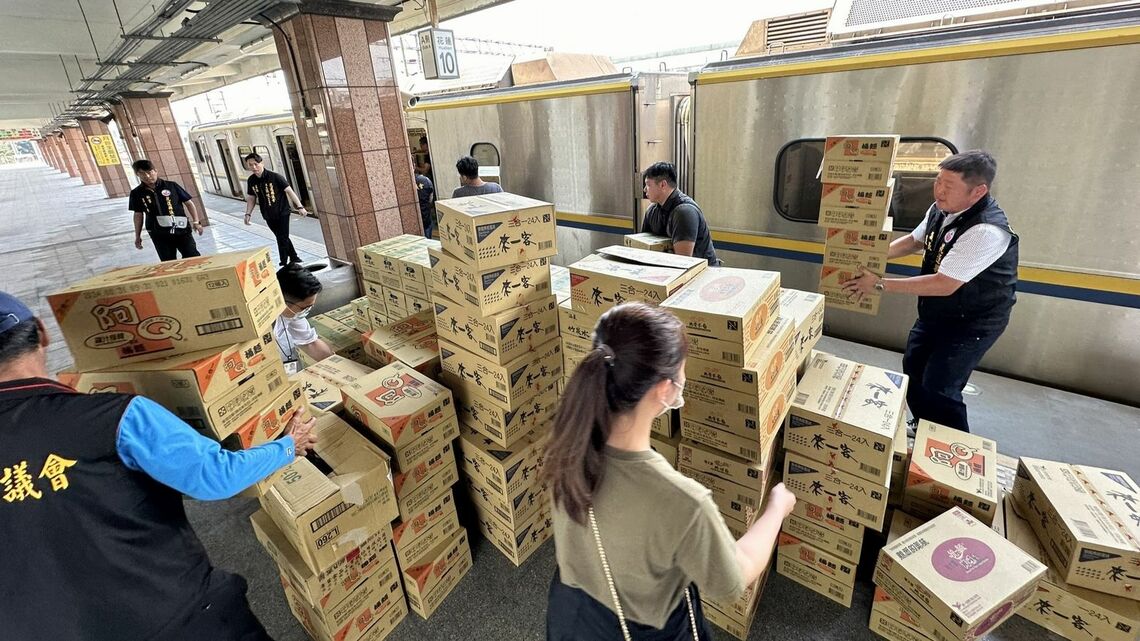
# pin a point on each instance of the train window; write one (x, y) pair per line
(266, 158)
(244, 150)
(797, 190)
(198, 151)
(486, 153)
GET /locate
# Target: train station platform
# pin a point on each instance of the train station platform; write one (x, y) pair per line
(54, 230)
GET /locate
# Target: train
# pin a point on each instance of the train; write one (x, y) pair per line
(1048, 98)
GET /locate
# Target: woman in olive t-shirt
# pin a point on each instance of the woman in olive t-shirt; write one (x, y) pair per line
(635, 539)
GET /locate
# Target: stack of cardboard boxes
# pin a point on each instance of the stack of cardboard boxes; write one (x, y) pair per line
(412, 341)
(397, 282)
(854, 206)
(413, 418)
(840, 442)
(740, 377)
(497, 322)
(194, 335)
(326, 522)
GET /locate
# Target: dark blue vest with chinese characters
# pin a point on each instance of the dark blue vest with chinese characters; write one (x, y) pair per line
(91, 549)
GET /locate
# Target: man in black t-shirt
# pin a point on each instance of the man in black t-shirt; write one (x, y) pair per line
(425, 191)
(269, 190)
(675, 215)
(162, 205)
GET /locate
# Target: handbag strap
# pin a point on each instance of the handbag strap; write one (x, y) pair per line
(613, 588)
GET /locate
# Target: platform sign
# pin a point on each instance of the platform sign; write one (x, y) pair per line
(103, 148)
(437, 54)
(19, 134)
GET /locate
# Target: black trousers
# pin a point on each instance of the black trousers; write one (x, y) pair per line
(573, 615)
(279, 225)
(939, 359)
(222, 614)
(169, 246)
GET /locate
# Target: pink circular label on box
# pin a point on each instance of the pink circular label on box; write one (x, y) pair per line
(722, 288)
(963, 559)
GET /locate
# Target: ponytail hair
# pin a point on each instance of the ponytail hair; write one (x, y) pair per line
(636, 346)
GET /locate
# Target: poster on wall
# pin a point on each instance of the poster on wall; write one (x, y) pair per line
(103, 148)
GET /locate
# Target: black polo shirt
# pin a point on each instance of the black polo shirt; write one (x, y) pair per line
(681, 219)
(161, 207)
(269, 190)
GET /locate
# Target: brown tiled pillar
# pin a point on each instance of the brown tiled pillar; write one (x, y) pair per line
(47, 144)
(347, 107)
(57, 150)
(148, 126)
(65, 152)
(75, 140)
(41, 146)
(113, 177)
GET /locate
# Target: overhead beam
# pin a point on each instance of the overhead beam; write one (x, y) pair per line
(137, 36)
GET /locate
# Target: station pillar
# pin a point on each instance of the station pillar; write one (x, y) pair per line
(113, 177)
(337, 61)
(69, 164)
(51, 143)
(148, 128)
(84, 163)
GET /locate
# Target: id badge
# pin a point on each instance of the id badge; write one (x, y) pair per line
(164, 221)
(292, 367)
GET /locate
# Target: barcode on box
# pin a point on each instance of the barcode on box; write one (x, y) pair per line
(1084, 529)
(545, 245)
(743, 408)
(1029, 566)
(731, 357)
(224, 312)
(220, 326)
(867, 515)
(749, 454)
(835, 592)
(869, 469)
(801, 398)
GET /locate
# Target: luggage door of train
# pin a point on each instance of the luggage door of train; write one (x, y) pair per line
(228, 165)
(293, 167)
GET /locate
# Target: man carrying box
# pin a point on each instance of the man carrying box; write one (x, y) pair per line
(91, 514)
(965, 291)
(292, 329)
(675, 215)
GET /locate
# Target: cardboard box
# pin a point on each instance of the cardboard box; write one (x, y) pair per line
(145, 312)
(880, 148)
(321, 396)
(360, 316)
(876, 242)
(814, 580)
(515, 511)
(761, 370)
(488, 291)
(736, 501)
(395, 302)
(876, 201)
(336, 582)
(270, 423)
(574, 351)
(826, 530)
(412, 478)
(496, 230)
(417, 489)
(732, 305)
(572, 322)
(560, 282)
(832, 566)
(416, 266)
(378, 601)
(900, 461)
(952, 468)
(411, 341)
(342, 339)
(756, 419)
(664, 425)
(702, 458)
(742, 609)
(721, 620)
(509, 385)
(418, 303)
(398, 404)
(415, 536)
(617, 274)
(648, 242)
(378, 317)
(745, 447)
(518, 545)
(1070, 611)
(339, 370)
(412, 454)
(500, 337)
(850, 260)
(856, 172)
(504, 470)
(326, 514)
(956, 577)
(429, 583)
(374, 294)
(893, 623)
(1087, 519)
(344, 313)
(503, 426)
(667, 446)
(843, 493)
(371, 258)
(806, 311)
(868, 222)
(846, 414)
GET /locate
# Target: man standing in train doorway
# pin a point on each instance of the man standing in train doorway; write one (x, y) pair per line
(675, 215)
(966, 289)
(269, 190)
(161, 206)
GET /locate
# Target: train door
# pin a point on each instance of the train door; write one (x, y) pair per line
(292, 166)
(207, 164)
(228, 165)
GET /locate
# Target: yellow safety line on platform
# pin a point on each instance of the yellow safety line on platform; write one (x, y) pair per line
(992, 49)
(523, 96)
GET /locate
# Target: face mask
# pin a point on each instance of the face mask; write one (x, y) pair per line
(304, 313)
(678, 402)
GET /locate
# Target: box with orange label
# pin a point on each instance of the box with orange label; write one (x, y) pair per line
(876, 147)
(836, 579)
(379, 600)
(877, 242)
(176, 307)
(504, 470)
(870, 226)
(411, 341)
(617, 274)
(748, 416)
(761, 370)
(509, 385)
(398, 404)
(412, 454)
(495, 230)
(855, 200)
(950, 467)
(500, 337)
(826, 530)
(270, 423)
(416, 535)
(488, 291)
(429, 583)
(503, 426)
(412, 499)
(326, 514)
(893, 623)
(407, 481)
(871, 173)
(519, 544)
(846, 414)
(735, 306)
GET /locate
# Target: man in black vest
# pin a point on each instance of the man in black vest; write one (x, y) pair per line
(96, 545)
(161, 206)
(272, 194)
(675, 215)
(965, 290)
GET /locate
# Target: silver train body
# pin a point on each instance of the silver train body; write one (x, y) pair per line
(219, 147)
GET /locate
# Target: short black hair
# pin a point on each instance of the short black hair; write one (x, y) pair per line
(255, 157)
(22, 339)
(423, 139)
(142, 164)
(467, 167)
(976, 166)
(297, 282)
(661, 171)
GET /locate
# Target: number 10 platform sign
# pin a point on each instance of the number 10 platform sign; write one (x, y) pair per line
(437, 54)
